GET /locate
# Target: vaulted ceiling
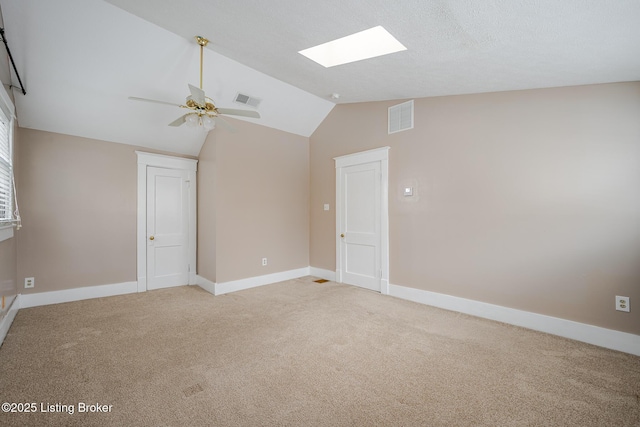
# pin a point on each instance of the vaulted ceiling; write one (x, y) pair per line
(81, 59)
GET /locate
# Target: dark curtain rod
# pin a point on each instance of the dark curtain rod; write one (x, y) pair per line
(4, 39)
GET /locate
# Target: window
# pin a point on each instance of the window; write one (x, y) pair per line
(6, 185)
(7, 201)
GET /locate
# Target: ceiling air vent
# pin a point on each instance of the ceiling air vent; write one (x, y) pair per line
(401, 117)
(247, 100)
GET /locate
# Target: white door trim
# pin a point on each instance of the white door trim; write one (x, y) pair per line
(376, 155)
(169, 162)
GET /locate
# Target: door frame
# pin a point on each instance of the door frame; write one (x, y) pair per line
(370, 156)
(167, 162)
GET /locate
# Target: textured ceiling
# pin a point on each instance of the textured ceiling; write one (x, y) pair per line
(454, 46)
(81, 59)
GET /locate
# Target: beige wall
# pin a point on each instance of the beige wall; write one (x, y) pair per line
(527, 199)
(207, 208)
(260, 196)
(78, 205)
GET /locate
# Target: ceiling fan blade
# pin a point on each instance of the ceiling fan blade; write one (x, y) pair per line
(235, 112)
(135, 98)
(225, 124)
(179, 121)
(197, 95)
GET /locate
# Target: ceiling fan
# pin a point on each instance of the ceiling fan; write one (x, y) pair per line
(202, 111)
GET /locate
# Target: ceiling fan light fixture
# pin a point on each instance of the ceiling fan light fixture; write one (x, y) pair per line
(208, 123)
(192, 120)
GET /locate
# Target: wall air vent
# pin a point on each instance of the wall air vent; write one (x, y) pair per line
(401, 117)
(247, 100)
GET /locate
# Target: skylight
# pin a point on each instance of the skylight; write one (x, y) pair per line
(366, 44)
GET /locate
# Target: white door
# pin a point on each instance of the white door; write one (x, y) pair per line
(360, 233)
(167, 227)
(362, 243)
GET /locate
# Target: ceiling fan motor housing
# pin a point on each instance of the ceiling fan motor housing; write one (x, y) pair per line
(207, 108)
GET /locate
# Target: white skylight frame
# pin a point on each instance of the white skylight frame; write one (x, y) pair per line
(365, 44)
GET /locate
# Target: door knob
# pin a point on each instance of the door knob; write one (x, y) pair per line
(151, 237)
(342, 235)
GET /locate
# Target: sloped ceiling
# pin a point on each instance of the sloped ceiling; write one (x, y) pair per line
(80, 59)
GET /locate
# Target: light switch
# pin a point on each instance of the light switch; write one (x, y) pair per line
(408, 191)
(326, 206)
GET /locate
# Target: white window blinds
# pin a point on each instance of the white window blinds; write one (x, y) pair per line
(6, 172)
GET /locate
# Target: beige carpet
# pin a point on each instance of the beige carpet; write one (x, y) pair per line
(304, 354)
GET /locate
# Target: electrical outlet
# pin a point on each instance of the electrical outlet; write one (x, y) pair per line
(29, 282)
(264, 262)
(622, 303)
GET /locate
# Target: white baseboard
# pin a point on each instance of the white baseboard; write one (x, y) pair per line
(7, 320)
(608, 338)
(252, 282)
(322, 273)
(77, 294)
(206, 284)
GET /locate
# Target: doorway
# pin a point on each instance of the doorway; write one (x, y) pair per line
(362, 218)
(166, 236)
